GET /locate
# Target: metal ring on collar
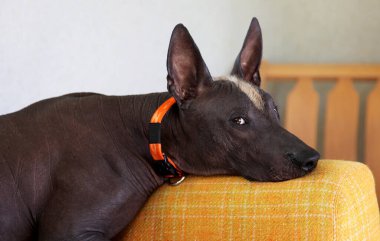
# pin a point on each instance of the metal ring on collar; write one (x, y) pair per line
(176, 183)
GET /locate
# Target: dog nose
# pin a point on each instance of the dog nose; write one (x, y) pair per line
(306, 161)
(310, 163)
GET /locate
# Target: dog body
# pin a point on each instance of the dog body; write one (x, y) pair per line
(78, 167)
(75, 163)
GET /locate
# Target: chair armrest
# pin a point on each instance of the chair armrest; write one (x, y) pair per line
(335, 202)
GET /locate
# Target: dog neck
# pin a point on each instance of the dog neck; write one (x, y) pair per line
(136, 112)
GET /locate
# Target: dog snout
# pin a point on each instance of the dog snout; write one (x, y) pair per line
(307, 161)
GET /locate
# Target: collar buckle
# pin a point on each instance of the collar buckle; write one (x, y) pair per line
(165, 168)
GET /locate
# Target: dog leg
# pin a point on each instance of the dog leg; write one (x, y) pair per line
(83, 215)
(89, 236)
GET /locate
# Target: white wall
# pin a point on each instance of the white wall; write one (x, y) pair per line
(322, 31)
(49, 48)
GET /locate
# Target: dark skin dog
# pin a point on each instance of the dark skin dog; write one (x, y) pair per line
(78, 167)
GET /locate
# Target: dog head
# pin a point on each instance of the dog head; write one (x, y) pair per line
(229, 124)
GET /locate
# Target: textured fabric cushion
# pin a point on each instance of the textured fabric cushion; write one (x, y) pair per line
(335, 202)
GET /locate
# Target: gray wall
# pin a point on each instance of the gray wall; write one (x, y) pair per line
(323, 31)
(49, 48)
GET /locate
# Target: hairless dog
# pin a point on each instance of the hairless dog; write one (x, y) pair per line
(80, 166)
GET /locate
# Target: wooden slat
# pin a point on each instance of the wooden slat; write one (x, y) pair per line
(302, 111)
(372, 134)
(321, 71)
(342, 121)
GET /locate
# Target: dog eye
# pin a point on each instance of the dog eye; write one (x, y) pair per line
(239, 121)
(276, 111)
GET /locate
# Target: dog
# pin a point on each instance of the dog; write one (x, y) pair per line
(80, 166)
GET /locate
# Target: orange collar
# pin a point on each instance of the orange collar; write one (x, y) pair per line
(163, 165)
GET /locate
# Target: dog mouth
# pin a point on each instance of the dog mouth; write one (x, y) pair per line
(285, 175)
(273, 174)
(278, 170)
(292, 168)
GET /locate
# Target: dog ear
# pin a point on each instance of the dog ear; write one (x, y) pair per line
(188, 75)
(248, 61)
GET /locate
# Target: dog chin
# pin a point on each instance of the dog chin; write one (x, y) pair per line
(290, 176)
(273, 176)
(287, 178)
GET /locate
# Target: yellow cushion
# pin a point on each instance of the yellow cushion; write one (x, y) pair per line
(335, 202)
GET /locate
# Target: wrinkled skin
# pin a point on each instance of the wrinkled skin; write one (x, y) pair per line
(78, 167)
